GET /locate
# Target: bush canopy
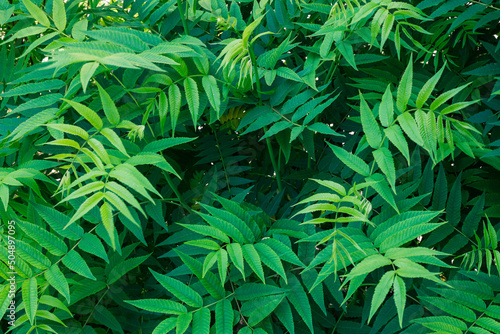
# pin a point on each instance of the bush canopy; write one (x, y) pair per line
(266, 166)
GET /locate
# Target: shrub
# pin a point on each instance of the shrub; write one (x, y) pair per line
(252, 167)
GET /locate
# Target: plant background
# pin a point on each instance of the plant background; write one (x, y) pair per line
(272, 166)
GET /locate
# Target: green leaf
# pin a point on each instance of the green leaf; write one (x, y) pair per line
(86, 206)
(410, 127)
(379, 183)
(455, 309)
(405, 86)
(428, 87)
(58, 221)
(109, 106)
(183, 322)
(370, 125)
(350, 160)
(321, 128)
(59, 14)
(37, 13)
(396, 137)
(347, 52)
(86, 72)
(36, 87)
(446, 96)
(114, 140)
(162, 110)
(400, 298)
(224, 317)
(76, 263)
(193, 99)
(298, 298)
(165, 326)
(174, 100)
(163, 144)
(381, 291)
(266, 305)
(124, 267)
(384, 160)
(105, 317)
(71, 129)
(87, 113)
(107, 220)
(271, 259)
(44, 238)
(90, 243)
(249, 291)
(253, 259)
(30, 297)
(158, 306)
(32, 123)
(180, 290)
(56, 278)
(201, 321)
(212, 90)
(368, 265)
(386, 109)
(236, 255)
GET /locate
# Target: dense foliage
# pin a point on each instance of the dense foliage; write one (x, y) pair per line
(272, 166)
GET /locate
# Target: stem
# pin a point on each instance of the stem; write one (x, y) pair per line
(268, 141)
(183, 18)
(273, 161)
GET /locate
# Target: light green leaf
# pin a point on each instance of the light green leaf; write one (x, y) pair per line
(59, 14)
(271, 259)
(400, 298)
(87, 113)
(114, 140)
(428, 87)
(396, 137)
(350, 160)
(179, 290)
(56, 278)
(193, 99)
(405, 86)
(37, 13)
(174, 100)
(30, 297)
(266, 305)
(236, 255)
(86, 207)
(298, 298)
(347, 52)
(44, 238)
(386, 109)
(183, 322)
(158, 306)
(109, 106)
(253, 259)
(384, 160)
(212, 90)
(162, 110)
(76, 263)
(86, 72)
(90, 243)
(379, 183)
(201, 321)
(71, 129)
(446, 96)
(224, 317)
(410, 127)
(107, 220)
(381, 291)
(370, 125)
